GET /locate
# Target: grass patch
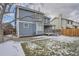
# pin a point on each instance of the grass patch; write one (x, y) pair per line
(50, 47)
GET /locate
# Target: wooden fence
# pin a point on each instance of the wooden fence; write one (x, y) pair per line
(70, 32)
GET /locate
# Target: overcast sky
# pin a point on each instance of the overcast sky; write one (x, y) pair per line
(69, 10)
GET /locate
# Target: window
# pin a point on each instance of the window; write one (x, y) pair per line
(26, 25)
(71, 22)
(68, 21)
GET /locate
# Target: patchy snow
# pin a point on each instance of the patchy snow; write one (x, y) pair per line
(58, 38)
(10, 36)
(32, 45)
(11, 48)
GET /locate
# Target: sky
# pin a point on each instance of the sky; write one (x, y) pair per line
(68, 10)
(8, 17)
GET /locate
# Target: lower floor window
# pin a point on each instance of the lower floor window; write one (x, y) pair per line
(26, 25)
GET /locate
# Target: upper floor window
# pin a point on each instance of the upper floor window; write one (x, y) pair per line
(68, 21)
(71, 22)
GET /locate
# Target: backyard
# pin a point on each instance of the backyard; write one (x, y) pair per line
(40, 46)
(47, 46)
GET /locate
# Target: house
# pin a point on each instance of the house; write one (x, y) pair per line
(29, 22)
(59, 23)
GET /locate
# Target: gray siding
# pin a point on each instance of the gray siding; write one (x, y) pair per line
(30, 16)
(32, 26)
(23, 13)
(27, 31)
(56, 23)
(64, 23)
(39, 28)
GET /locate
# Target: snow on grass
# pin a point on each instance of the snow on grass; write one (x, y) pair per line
(50, 47)
(58, 38)
(11, 48)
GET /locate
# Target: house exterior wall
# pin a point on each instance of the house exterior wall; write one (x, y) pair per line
(76, 24)
(33, 16)
(56, 23)
(33, 26)
(31, 30)
(39, 28)
(64, 24)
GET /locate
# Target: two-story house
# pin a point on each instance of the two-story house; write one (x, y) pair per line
(30, 22)
(59, 23)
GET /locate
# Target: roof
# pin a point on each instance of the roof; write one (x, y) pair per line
(64, 19)
(46, 17)
(31, 10)
(70, 20)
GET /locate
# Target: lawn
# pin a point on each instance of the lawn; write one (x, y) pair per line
(50, 47)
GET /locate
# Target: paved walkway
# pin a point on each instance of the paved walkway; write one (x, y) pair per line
(11, 48)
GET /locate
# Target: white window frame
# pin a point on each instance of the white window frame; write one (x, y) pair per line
(25, 26)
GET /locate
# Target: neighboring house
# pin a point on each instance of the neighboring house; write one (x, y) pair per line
(59, 23)
(29, 22)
